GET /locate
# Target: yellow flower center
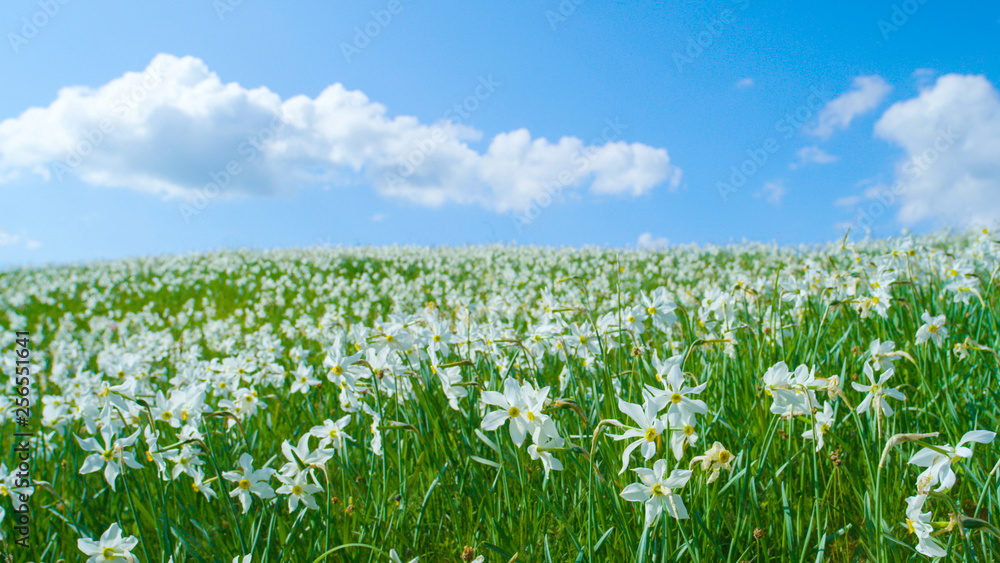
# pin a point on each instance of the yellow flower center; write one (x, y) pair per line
(108, 553)
(167, 415)
(688, 430)
(337, 370)
(244, 484)
(514, 412)
(909, 526)
(108, 455)
(725, 456)
(658, 490)
(389, 338)
(651, 310)
(651, 434)
(437, 338)
(531, 416)
(933, 329)
(631, 319)
(675, 398)
(296, 490)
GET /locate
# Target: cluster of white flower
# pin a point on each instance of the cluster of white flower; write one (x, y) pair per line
(378, 328)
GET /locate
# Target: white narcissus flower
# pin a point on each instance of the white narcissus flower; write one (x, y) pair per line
(520, 404)
(882, 354)
(303, 380)
(110, 456)
(676, 393)
(715, 460)
(932, 329)
(249, 481)
(546, 438)
(877, 392)
(682, 432)
(332, 433)
(938, 460)
(824, 421)
(376, 441)
(112, 547)
(299, 489)
(650, 426)
(657, 491)
(919, 524)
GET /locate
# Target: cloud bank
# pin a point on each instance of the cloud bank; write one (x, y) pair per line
(176, 129)
(951, 170)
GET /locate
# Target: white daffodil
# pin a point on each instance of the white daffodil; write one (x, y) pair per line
(249, 481)
(918, 523)
(545, 440)
(198, 484)
(932, 329)
(657, 491)
(650, 426)
(792, 393)
(676, 393)
(938, 460)
(303, 380)
(877, 392)
(332, 433)
(520, 404)
(300, 458)
(376, 441)
(299, 489)
(111, 455)
(883, 354)
(715, 460)
(682, 432)
(824, 421)
(111, 548)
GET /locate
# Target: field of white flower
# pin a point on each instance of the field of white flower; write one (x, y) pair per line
(742, 403)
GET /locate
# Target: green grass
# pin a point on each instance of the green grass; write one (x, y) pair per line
(437, 487)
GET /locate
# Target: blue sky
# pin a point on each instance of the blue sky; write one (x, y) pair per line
(577, 123)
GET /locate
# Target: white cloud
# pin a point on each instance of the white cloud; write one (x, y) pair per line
(865, 95)
(379, 217)
(7, 239)
(744, 83)
(812, 155)
(649, 242)
(847, 201)
(773, 192)
(170, 129)
(951, 135)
